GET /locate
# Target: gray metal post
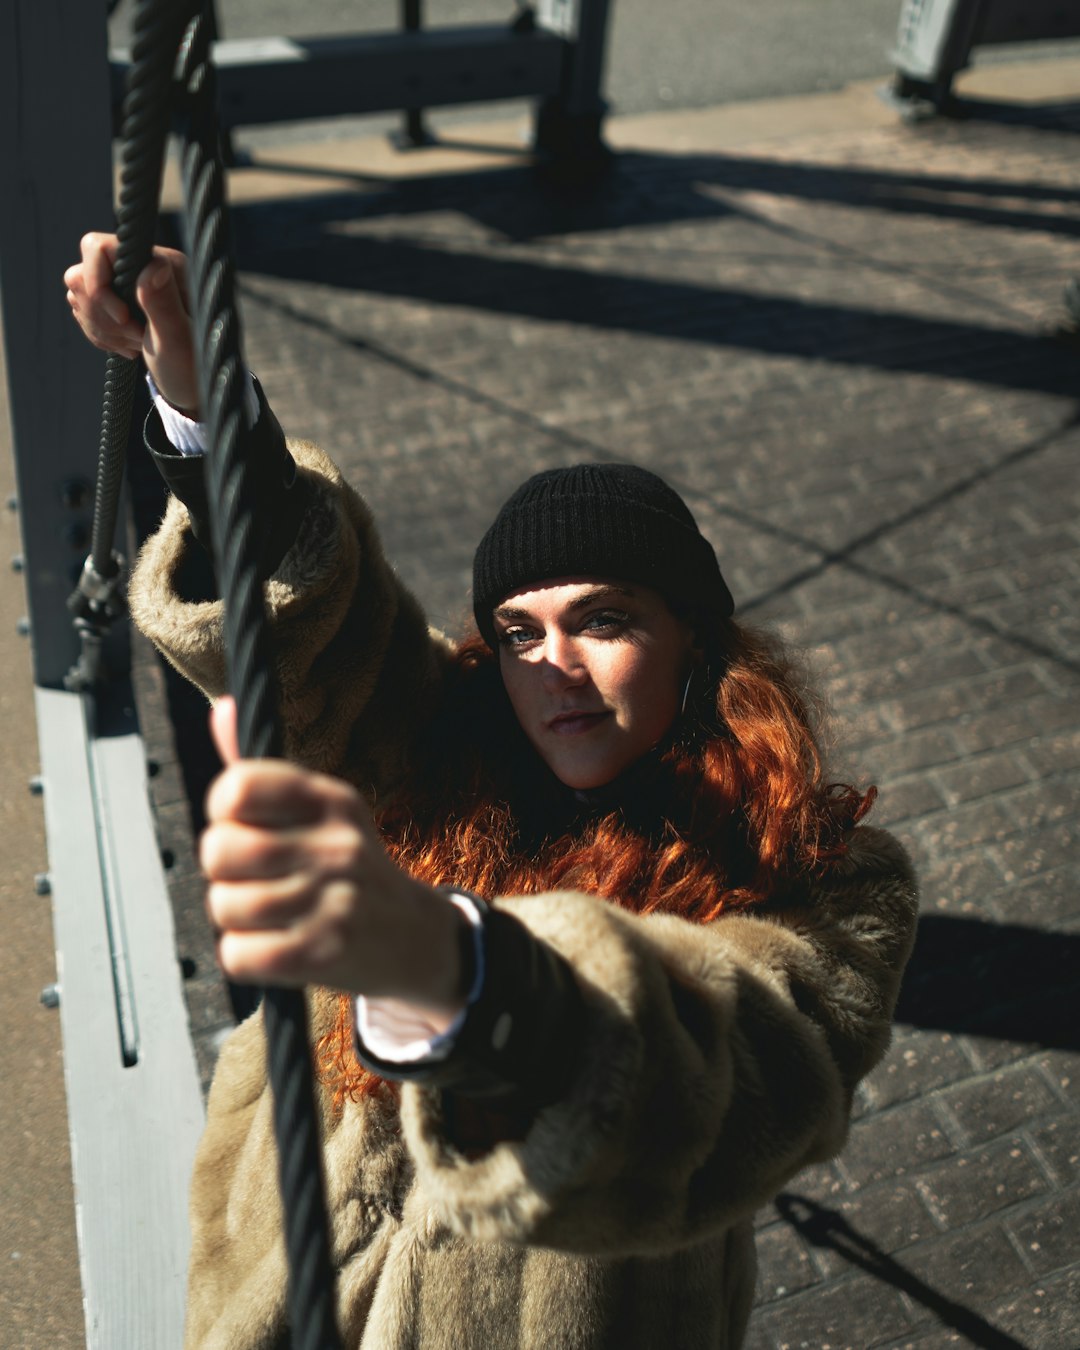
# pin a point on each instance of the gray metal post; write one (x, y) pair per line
(583, 96)
(569, 125)
(935, 37)
(56, 168)
(933, 40)
(133, 1099)
(414, 132)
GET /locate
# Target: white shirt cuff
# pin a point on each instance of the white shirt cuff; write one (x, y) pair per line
(399, 1032)
(184, 434)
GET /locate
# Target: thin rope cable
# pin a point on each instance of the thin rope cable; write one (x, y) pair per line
(235, 529)
(156, 37)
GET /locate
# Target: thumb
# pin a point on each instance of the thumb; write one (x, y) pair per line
(223, 722)
(160, 297)
(168, 344)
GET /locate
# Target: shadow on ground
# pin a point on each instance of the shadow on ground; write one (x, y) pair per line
(648, 188)
(825, 1228)
(1002, 980)
(341, 241)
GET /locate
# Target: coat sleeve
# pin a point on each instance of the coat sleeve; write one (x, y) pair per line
(358, 668)
(716, 1061)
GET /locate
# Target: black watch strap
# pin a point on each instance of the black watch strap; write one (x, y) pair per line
(518, 1044)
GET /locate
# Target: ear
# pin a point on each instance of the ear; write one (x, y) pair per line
(696, 648)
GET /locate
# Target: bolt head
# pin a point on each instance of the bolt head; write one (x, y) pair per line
(74, 492)
(50, 996)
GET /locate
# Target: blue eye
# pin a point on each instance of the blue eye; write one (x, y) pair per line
(606, 620)
(515, 637)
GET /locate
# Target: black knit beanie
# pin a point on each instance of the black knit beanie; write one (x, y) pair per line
(609, 520)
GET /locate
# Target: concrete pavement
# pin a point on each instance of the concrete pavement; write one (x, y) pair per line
(830, 331)
(40, 1295)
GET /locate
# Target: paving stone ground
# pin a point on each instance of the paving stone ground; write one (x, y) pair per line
(836, 344)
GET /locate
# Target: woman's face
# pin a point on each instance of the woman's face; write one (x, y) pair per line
(594, 670)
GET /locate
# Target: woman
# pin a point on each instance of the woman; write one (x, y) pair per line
(549, 1113)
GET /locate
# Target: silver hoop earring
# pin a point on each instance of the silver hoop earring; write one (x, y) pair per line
(686, 692)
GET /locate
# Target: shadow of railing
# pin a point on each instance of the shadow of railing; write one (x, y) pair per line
(331, 240)
(783, 326)
(1055, 115)
(1002, 980)
(825, 1228)
(651, 188)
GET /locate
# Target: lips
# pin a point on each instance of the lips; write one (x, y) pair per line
(576, 723)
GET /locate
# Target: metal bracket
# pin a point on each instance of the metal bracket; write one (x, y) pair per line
(100, 597)
(96, 603)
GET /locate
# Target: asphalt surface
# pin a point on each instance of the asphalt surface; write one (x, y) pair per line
(40, 1295)
(693, 54)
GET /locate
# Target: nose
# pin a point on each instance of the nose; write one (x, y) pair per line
(563, 665)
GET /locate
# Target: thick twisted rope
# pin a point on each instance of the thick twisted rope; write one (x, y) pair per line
(235, 531)
(159, 27)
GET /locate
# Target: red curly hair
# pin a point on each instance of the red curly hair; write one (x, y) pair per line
(720, 818)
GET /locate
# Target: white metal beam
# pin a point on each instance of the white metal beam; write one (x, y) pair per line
(134, 1103)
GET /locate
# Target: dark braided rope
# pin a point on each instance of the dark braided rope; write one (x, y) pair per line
(116, 404)
(235, 531)
(147, 110)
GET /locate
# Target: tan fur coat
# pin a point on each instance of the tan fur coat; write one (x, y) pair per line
(716, 1060)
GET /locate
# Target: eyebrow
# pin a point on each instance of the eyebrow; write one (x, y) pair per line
(511, 612)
